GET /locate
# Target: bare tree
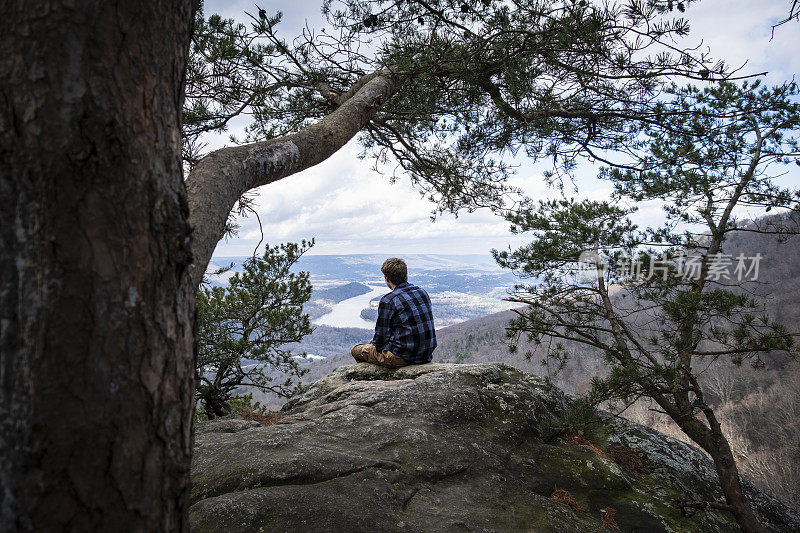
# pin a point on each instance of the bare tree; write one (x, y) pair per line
(722, 382)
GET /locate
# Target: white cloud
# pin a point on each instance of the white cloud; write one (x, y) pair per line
(740, 31)
(348, 208)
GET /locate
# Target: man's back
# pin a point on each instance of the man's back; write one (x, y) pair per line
(405, 324)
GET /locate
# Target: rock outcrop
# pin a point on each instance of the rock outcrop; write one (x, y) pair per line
(443, 447)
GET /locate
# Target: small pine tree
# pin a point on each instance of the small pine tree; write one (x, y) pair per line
(659, 302)
(243, 329)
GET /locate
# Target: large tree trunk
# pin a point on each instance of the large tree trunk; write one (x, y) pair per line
(218, 180)
(96, 300)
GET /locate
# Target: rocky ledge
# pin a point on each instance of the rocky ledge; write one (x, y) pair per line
(444, 447)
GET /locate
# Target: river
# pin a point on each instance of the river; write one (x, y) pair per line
(347, 313)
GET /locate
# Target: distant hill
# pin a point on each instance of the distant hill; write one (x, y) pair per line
(460, 286)
(370, 313)
(369, 266)
(343, 292)
(363, 267)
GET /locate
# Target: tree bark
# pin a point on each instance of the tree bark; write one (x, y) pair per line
(713, 441)
(218, 180)
(96, 297)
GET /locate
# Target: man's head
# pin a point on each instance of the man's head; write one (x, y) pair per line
(395, 271)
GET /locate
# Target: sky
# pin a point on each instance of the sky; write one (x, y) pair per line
(348, 208)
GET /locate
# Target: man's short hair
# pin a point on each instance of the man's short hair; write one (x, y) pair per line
(395, 270)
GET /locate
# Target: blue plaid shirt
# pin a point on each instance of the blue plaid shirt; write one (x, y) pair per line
(405, 324)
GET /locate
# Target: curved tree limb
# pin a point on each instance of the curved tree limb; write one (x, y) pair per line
(222, 177)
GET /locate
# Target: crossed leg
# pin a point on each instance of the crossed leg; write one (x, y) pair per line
(368, 354)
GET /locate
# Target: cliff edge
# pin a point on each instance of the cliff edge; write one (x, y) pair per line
(444, 447)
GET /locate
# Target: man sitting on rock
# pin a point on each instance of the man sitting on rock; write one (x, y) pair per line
(404, 333)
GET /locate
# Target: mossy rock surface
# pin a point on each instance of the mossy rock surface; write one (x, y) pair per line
(443, 447)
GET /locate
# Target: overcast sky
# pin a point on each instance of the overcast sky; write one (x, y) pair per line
(350, 209)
